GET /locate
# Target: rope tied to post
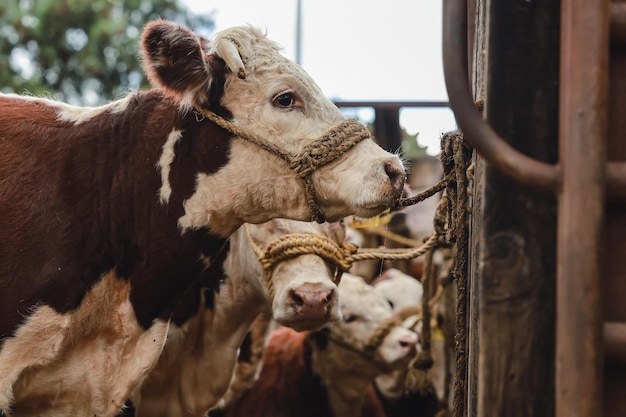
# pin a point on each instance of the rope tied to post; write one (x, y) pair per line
(329, 147)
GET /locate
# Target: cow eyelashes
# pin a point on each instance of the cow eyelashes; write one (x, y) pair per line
(288, 100)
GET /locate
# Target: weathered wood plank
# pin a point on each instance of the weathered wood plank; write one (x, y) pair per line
(515, 227)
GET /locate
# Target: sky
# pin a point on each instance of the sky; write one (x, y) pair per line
(358, 50)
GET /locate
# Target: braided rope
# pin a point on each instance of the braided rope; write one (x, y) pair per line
(297, 244)
(429, 192)
(329, 147)
(394, 254)
(293, 245)
(342, 256)
(388, 234)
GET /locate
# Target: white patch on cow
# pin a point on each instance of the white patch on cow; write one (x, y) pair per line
(165, 163)
(78, 115)
(252, 185)
(196, 365)
(86, 362)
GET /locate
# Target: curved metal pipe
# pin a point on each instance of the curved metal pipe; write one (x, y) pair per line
(476, 131)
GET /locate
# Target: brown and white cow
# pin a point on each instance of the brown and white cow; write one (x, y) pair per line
(328, 373)
(108, 214)
(211, 322)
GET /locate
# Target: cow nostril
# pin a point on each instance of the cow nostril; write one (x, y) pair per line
(296, 298)
(395, 173)
(404, 344)
(327, 297)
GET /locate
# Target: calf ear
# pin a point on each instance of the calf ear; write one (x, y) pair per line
(175, 60)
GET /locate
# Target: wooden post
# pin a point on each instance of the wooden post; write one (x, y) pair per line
(514, 226)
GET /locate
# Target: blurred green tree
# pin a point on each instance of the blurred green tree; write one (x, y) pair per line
(77, 51)
(410, 145)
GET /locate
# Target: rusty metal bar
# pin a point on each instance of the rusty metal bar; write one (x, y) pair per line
(583, 132)
(380, 104)
(478, 133)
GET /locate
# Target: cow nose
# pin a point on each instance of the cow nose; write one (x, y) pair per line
(311, 302)
(396, 174)
(408, 342)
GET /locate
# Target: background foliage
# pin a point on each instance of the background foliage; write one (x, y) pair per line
(78, 51)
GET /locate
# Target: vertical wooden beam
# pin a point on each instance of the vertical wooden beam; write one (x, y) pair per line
(477, 42)
(516, 268)
(583, 128)
(387, 128)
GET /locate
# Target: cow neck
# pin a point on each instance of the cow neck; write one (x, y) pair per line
(293, 245)
(329, 147)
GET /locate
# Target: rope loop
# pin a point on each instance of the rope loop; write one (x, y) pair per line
(297, 244)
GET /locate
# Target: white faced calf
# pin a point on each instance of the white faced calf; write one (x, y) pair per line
(403, 291)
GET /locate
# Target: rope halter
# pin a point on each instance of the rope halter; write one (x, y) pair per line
(296, 244)
(329, 147)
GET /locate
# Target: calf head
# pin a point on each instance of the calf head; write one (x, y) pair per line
(241, 82)
(367, 333)
(301, 289)
(400, 290)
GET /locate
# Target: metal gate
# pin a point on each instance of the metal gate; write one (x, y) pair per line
(547, 318)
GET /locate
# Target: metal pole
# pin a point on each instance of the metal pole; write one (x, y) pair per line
(299, 32)
(583, 133)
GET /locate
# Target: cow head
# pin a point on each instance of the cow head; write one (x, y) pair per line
(241, 76)
(365, 311)
(399, 289)
(301, 290)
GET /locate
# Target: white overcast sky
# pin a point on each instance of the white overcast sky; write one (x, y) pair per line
(358, 50)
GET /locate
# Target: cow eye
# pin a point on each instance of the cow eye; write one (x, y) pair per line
(349, 318)
(284, 100)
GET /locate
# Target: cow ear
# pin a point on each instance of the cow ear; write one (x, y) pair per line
(174, 59)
